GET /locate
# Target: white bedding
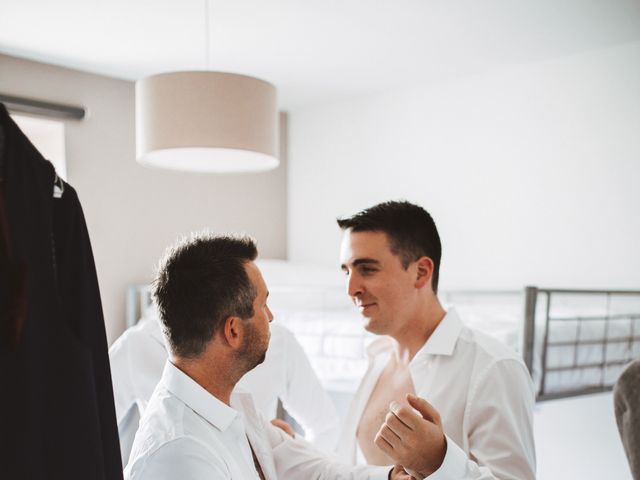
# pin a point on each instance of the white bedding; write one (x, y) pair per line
(312, 302)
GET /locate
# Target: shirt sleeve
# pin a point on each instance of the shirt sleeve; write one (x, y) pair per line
(183, 458)
(122, 385)
(500, 419)
(127, 412)
(296, 459)
(307, 401)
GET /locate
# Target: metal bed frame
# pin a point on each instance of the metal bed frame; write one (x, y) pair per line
(535, 309)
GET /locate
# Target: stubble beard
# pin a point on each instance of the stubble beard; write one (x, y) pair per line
(254, 350)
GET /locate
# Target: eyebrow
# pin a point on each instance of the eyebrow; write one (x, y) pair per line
(361, 261)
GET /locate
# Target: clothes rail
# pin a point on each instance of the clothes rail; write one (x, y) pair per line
(42, 108)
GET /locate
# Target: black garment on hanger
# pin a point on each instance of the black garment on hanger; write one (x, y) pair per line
(57, 416)
(13, 294)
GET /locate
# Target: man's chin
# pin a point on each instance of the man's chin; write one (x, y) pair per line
(369, 324)
(259, 360)
(375, 326)
(251, 362)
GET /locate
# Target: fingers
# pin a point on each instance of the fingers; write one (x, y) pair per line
(408, 439)
(393, 431)
(404, 414)
(425, 408)
(390, 436)
(284, 426)
(399, 473)
(397, 426)
(383, 444)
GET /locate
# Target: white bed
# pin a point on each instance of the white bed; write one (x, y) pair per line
(574, 342)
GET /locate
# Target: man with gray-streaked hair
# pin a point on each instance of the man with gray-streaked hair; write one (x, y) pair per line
(212, 302)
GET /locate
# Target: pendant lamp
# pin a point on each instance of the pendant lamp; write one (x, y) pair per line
(204, 121)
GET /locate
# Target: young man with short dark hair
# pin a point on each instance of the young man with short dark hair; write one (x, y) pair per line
(478, 422)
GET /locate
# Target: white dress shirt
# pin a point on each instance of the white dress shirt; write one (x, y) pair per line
(188, 434)
(484, 395)
(138, 357)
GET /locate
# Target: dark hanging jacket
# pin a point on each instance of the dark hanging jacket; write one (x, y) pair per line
(57, 416)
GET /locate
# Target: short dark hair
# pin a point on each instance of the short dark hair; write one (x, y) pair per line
(411, 230)
(199, 284)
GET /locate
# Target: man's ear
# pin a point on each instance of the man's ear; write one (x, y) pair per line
(424, 273)
(232, 331)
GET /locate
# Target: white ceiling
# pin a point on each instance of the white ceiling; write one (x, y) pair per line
(313, 50)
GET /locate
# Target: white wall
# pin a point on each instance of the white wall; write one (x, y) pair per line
(532, 173)
(133, 213)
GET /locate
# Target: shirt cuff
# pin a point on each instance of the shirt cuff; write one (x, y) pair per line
(454, 465)
(379, 473)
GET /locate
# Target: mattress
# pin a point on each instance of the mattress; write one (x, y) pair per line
(333, 337)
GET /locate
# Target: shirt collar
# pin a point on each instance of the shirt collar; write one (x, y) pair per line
(443, 339)
(441, 342)
(197, 398)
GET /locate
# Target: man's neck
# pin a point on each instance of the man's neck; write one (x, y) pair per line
(417, 331)
(208, 378)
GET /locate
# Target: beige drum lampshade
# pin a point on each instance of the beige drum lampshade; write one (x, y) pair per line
(206, 122)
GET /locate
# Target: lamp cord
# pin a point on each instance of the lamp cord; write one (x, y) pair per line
(207, 35)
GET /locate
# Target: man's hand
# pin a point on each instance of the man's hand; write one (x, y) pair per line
(284, 426)
(399, 473)
(418, 444)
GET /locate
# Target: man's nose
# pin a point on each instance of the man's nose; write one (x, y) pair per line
(354, 285)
